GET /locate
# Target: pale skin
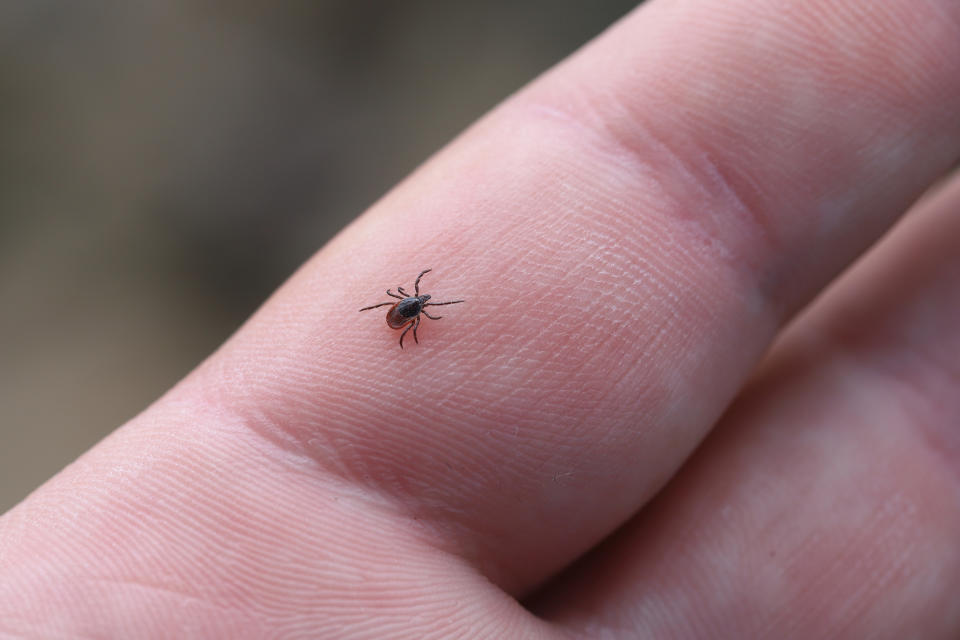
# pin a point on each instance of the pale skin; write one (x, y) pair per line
(632, 233)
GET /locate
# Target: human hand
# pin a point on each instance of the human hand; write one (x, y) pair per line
(630, 233)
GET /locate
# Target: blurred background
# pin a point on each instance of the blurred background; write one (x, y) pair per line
(165, 164)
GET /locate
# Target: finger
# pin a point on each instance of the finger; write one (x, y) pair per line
(827, 504)
(617, 290)
(628, 234)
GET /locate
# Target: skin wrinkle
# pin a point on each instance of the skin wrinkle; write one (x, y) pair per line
(944, 378)
(649, 159)
(185, 603)
(719, 187)
(658, 221)
(686, 186)
(858, 600)
(880, 568)
(632, 133)
(920, 381)
(251, 578)
(723, 116)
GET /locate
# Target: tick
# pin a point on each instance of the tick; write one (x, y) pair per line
(407, 312)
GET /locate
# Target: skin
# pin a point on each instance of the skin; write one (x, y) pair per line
(677, 462)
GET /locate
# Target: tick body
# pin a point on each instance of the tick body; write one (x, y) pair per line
(407, 312)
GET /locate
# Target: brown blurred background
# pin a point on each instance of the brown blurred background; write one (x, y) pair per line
(165, 164)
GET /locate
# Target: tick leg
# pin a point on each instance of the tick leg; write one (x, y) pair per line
(400, 289)
(416, 285)
(440, 304)
(430, 316)
(416, 324)
(393, 295)
(409, 326)
(382, 304)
